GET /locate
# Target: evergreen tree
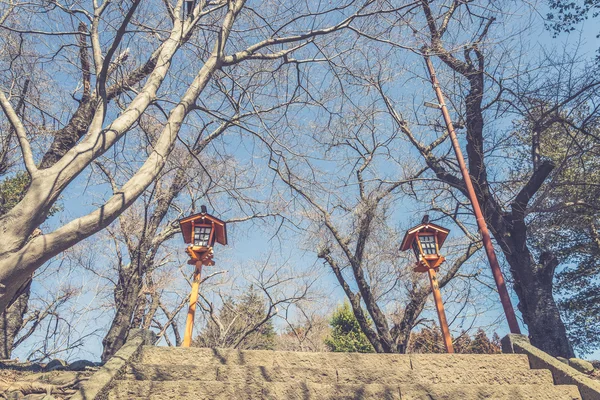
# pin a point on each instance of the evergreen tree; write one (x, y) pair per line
(346, 335)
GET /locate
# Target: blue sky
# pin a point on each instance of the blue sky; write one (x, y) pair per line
(251, 241)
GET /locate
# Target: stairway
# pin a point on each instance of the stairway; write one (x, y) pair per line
(198, 373)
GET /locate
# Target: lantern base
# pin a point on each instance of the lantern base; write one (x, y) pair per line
(200, 254)
(425, 265)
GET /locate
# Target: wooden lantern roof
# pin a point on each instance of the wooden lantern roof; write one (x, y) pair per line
(203, 218)
(424, 227)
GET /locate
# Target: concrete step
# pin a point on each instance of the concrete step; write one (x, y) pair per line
(328, 375)
(164, 390)
(204, 357)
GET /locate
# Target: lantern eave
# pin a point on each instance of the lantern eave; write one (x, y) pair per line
(409, 237)
(219, 226)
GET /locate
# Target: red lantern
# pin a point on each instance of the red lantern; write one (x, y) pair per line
(201, 231)
(425, 240)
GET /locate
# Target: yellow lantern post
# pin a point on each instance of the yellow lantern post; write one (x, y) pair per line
(200, 231)
(426, 240)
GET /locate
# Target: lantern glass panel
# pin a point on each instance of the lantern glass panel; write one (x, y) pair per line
(416, 250)
(428, 244)
(201, 235)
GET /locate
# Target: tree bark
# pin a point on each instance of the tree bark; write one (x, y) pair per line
(413, 309)
(126, 300)
(541, 314)
(11, 321)
(533, 284)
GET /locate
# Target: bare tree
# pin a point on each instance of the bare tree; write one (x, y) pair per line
(481, 88)
(245, 321)
(336, 138)
(142, 231)
(224, 35)
(59, 317)
(306, 331)
(349, 216)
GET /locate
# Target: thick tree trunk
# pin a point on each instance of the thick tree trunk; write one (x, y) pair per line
(11, 321)
(533, 286)
(540, 313)
(126, 299)
(533, 281)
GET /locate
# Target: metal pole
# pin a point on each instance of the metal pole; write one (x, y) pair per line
(437, 296)
(189, 323)
(485, 234)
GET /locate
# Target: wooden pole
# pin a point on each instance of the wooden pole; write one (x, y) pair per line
(437, 296)
(189, 323)
(509, 312)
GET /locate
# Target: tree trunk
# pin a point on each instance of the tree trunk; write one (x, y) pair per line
(546, 328)
(126, 300)
(11, 321)
(412, 311)
(533, 286)
(139, 312)
(533, 281)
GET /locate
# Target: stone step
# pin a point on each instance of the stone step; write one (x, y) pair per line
(164, 390)
(203, 357)
(328, 375)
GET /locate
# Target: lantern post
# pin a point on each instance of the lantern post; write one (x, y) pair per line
(425, 240)
(439, 306)
(189, 322)
(509, 312)
(200, 231)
